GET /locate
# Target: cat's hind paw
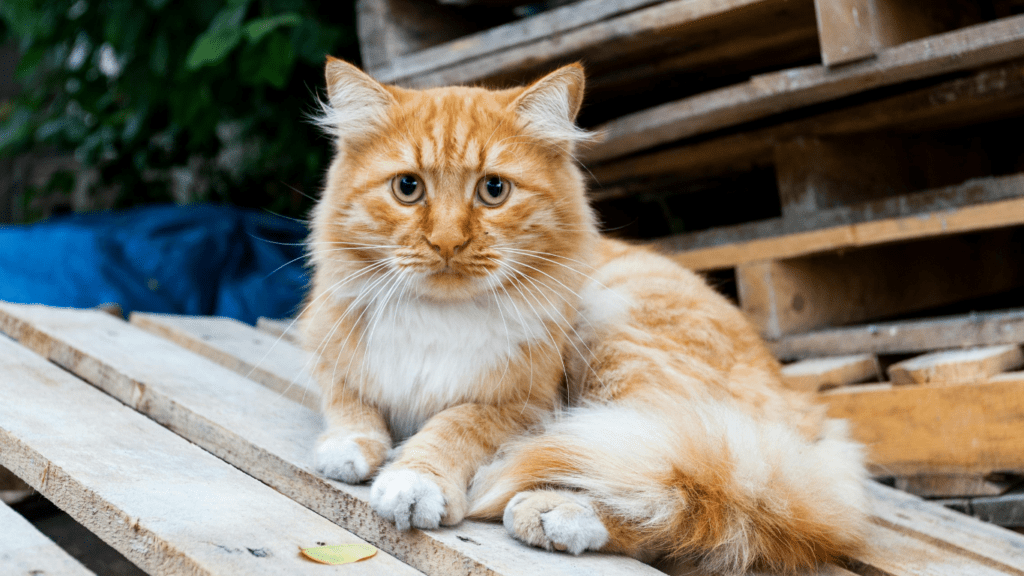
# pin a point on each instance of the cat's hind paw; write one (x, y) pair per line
(408, 498)
(342, 458)
(554, 520)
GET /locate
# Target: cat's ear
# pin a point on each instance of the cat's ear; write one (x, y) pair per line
(354, 100)
(550, 105)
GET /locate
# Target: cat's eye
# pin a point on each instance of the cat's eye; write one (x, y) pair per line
(407, 188)
(493, 190)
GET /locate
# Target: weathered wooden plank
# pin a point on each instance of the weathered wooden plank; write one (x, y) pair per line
(775, 92)
(710, 29)
(269, 437)
(814, 374)
(970, 218)
(793, 296)
(557, 21)
(832, 229)
(24, 551)
(940, 428)
(167, 505)
(952, 485)
(388, 29)
(277, 364)
(908, 336)
(990, 545)
(286, 329)
(957, 365)
(1005, 510)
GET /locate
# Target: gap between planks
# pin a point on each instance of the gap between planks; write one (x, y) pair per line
(963, 542)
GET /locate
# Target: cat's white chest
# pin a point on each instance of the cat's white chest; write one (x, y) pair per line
(422, 356)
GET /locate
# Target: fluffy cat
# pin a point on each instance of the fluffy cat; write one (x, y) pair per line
(590, 394)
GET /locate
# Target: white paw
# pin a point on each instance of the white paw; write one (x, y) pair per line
(554, 521)
(408, 498)
(341, 459)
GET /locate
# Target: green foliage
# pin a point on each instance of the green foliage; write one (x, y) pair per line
(146, 89)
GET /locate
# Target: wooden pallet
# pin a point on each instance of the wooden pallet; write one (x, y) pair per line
(211, 472)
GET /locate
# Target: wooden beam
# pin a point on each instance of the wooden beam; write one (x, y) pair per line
(389, 29)
(957, 365)
(851, 30)
(268, 437)
(979, 329)
(911, 224)
(287, 329)
(276, 364)
(936, 429)
(167, 505)
(792, 296)
(775, 92)
(1007, 510)
(815, 374)
(25, 550)
(952, 485)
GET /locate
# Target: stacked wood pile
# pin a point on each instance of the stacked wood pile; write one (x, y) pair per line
(844, 168)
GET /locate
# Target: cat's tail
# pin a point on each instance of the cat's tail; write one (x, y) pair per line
(698, 481)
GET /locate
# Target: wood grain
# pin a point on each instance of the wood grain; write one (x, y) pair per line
(814, 374)
(167, 505)
(952, 485)
(279, 328)
(26, 551)
(940, 428)
(268, 437)
(909, 336)
(273, 362)
(775, 92)
(957, 365)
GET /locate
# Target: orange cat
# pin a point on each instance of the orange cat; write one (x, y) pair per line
(590, 394)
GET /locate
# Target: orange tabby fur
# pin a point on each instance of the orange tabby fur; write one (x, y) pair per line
(591, 394)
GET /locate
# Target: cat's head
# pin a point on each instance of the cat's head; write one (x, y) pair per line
(453, 191)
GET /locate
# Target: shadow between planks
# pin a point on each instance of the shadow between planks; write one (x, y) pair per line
(270, 437)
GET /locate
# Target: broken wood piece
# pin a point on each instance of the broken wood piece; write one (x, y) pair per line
(954, 485)
(815, 374)
(907, 336)
(268, 437)
(25, 550)
(956, 428)
(957, 365)
(273, 362)
(166, 504)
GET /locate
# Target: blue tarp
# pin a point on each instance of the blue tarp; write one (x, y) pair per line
(209, 260)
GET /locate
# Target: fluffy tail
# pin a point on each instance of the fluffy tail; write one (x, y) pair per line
(695, 481)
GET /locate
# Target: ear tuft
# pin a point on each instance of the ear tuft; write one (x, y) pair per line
(550, 105)
(355, 101)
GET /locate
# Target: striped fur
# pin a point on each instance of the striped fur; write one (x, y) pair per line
(519, 367)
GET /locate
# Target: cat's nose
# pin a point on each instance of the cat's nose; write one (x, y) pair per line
(448, 243)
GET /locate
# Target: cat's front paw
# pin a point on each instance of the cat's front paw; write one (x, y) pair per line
(411, 498)
(351, 459)
(554, 520)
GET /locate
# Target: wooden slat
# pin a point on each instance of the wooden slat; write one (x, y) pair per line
(814, 374)
(909, 336)
(167, 505)
(1005, 510)
(990, 545)
(957, 365)
(775, 92)
(940, 428)
(832, 229)
(922, 225)
(286, 329)
(26, 551)
(952, 485)
(269, 437)
(277, 364)
(801, 294)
